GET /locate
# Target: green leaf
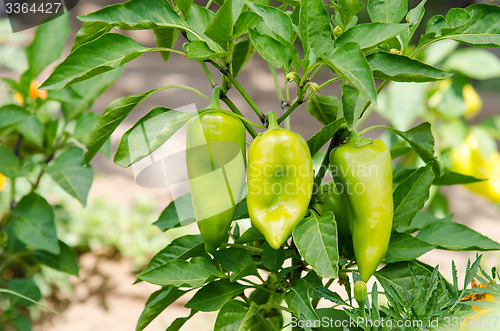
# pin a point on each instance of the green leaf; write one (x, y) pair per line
(47, 45)
(329, 295)
(349, 62)
(243, 51)
(70, 173)
(402, 103)
(405, 247)
(353, 104)
(32, 130)
(165, 37)
(345, 11)
(84, 94)
(26, 287)
(474, 63)
(65, 261)
(399, 275)
(11, 115)
(84, 126)
(271, 50)
(410, 196)
(33, 223)
(247, 19)
(456, 237)
(184, 6)
(108, 52)
(220, 28)
(179, 322)
(275, 20)
(235, 315)
(420, 221)
(182, 273)
(454, 178)
(10, 166)
(316, 239)
(482, 29)
(421, 141)
(273, 259)
(414, 17)
(400, 68)
(315, 28)
(299, 301)
(323, 107)
(213, 296)
(90, 31)
(178, 213)
(157, 302)
(113, 115)
(181, 248)
(370, 34)
(237, 261)
(387, 11)
(148, 134)
(252, 234)
(323, 136)
(20, 323)
(198, 50)
(137, 15)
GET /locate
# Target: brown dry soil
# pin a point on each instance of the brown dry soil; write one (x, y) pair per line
(104, 298)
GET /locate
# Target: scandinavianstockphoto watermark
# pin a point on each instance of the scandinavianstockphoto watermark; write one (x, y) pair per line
(446, 322)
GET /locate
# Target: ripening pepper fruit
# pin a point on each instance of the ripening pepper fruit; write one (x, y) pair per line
(280, 182)
(34, 93)
(215, 158)
(468, 160)
(362, 169)
(2, 182)
(473, 102)
(328, 199)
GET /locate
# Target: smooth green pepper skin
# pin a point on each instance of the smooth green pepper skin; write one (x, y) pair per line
(328, 199)
(280, 182)
(363, 167)
(215, 160)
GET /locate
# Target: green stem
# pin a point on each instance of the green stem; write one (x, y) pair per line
(373, 127)
(316, 71)
(279, 93)
(272, 121)
(290, 110)
(240, 89)
(214, 100)
(323, 85)
(424, 45)
(248, 248)
(368, 103)
(208, 74)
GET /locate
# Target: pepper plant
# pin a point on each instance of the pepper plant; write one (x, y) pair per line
(42, 136)
(261, 277)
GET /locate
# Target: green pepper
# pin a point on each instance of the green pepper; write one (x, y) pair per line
(328, 199)
(362, 169)
(215, 158)
(280, 182)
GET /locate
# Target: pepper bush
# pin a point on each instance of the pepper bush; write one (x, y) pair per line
(251, 285)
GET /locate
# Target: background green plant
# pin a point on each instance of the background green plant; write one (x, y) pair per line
(41, 137)
(246, 281)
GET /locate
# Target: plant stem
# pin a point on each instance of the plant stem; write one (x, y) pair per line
(249, 248)
(290, 110)
(240, 89)
(279, 93)
(235, 110)
(368, 103)
(272, 122)
(208, 74)
(323, 85)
